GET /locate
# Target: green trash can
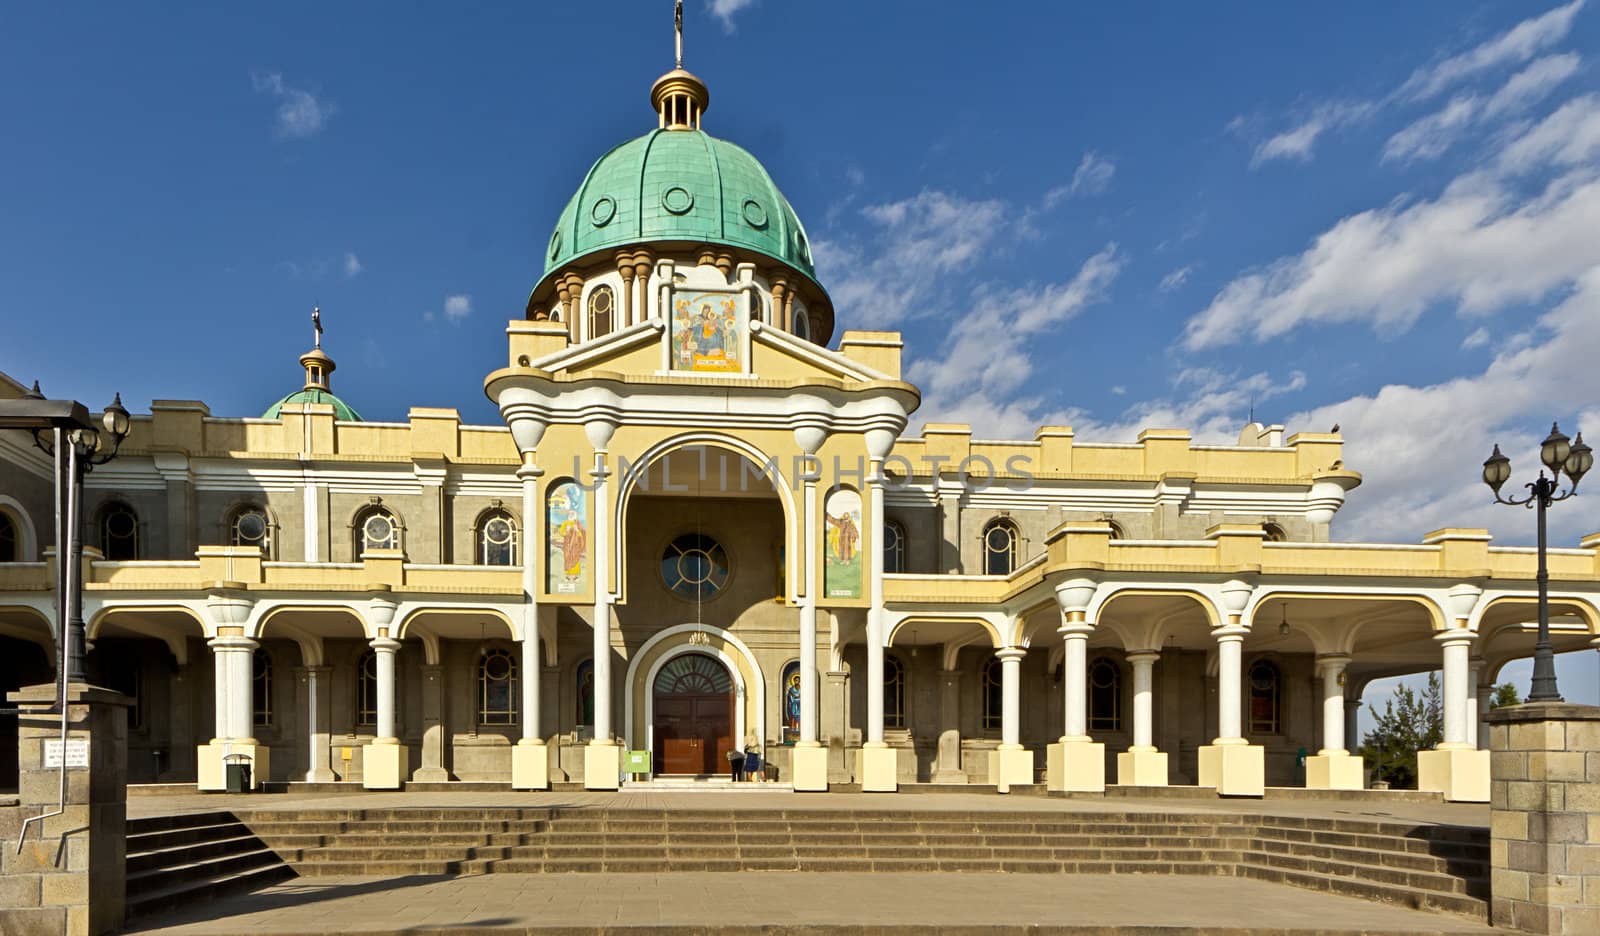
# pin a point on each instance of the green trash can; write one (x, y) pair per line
(236, 773)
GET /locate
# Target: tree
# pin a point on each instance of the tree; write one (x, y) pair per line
(1410, 722)
(1504, 694)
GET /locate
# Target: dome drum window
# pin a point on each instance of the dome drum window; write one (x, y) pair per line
(602, 311)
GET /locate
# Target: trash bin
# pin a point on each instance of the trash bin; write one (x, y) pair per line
(236, 773)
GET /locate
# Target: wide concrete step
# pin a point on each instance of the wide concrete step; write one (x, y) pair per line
(395, 828)
(152, 859)
(1395, 877)
(1476, 866)
(494, 813)
(184, 893)
(1393, 841)
(185, 870)
(156, 839)
(1461, 905)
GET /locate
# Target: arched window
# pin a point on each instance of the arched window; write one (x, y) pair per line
(894, 547)
(119, 531)
(894, 693)
(376, 528)
(1266, 698)
(248, 525)
(802, 324)
(497, 689)
(789, 701)
(10, 539)
(585, 696)
(1275, 533)
(602, 306)
(497, 539)
(993, 695)
(1105, 696)
(757, 306)
(1000, 544)
(367, 689)
(261, 687)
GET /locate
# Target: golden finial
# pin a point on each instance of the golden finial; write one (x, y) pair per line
(679, 98)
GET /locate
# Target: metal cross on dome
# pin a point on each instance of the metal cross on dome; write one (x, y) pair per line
(316, 323)
(677, 22)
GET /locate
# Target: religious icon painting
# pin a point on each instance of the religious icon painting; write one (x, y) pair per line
(707, 333)
(842, 560)
(566, 564)
(791, 702)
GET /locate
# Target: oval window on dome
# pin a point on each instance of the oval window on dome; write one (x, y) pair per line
(754, 214)
(555, 244)
(677, 200)
(603, 210)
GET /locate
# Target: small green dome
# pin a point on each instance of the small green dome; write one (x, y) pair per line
(341, 410)
(679, 185)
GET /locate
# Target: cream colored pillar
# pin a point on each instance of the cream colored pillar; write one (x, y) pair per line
(1333, 767)
(1474, 693)
(384, 761)
(809, 766)
(1455, 768)
(1011, 764)
(602, 759)
(1142, 764)
(234, 740)
(877, 769)
(947, 765)
(1230, 764)
(1485, 700)
(530, 759)
(1076, 763)
(320, 771)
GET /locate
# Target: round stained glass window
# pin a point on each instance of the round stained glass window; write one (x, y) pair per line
(694, 566)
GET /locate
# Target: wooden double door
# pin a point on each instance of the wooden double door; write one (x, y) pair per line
(692, 703)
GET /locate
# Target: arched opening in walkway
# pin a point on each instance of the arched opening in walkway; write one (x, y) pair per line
(26, 659)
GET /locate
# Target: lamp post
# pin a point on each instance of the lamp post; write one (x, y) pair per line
(1558, 454)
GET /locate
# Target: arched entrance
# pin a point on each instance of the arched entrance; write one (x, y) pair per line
(692, 705)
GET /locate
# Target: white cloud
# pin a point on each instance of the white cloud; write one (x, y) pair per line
(1477, 339)
(916, 241)
(300, 113)
(1482, 244)
(1092, 177)
(1517, 44)
(352, 265)
(1210, 402)
(1431, 135)
(457, 308)
(725, 10)
(1175, 279)
(1299, 141)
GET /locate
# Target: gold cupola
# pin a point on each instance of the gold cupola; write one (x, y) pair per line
(678, 97)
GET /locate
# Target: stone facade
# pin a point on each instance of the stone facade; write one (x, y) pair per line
(1545, 823)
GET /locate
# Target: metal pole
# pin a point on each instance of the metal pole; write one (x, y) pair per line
(1544, 662)
(71, 455)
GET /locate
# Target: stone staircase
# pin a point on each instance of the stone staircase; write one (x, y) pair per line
(1428, 867)
(178, 860)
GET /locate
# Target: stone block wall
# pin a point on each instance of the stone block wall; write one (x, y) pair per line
(1545, 818)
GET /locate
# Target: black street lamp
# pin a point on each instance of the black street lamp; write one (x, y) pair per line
(64, 430)
(1558, 454)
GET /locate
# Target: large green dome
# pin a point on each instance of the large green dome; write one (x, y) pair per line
(341, 409)
(679, 185)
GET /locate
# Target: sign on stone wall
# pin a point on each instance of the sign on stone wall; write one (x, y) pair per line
(76, 752)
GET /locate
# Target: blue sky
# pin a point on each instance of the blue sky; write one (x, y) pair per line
(1112, 216)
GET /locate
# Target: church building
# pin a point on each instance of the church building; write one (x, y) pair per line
(702, 526)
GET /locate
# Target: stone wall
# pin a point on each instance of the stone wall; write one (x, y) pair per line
(1545, 819)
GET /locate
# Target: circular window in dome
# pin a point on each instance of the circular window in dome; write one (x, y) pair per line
(677, 200)
(555, 244)
(754, 214)
(694, 566)
(604, 209)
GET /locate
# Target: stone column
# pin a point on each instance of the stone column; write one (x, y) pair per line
(1230, 764)
(1011, 764)
(1352, 721)
(1455, 768)
(947, 767)
(1077, 762)
(432, 769)
(383, 762)
(316, 679)
(1333, 767)
(1485, 699)
(878, 768)
(67, 874)
(602, 759)
(1544, 821)
(1142, 764)
(235, 717)
(1474, 713)
(809, 767)
(836, 722)
(530, 759)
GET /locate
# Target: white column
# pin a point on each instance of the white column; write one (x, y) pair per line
(1143, 664)
(1011, 695)
(1457, 651)
(599, 436)
(529, 542)
(235, 687)
(875, 635)
(808, 613)
(1475, 693)
(386, 648)
(1075, 681)
(1332, 668)
(316, 731)
(1230, 651)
